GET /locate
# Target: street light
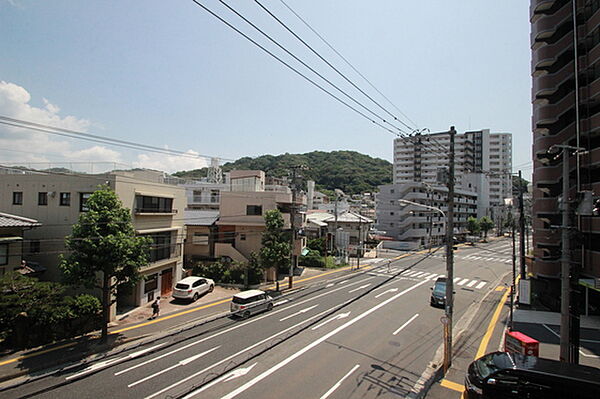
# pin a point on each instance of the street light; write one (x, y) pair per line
(447, 319)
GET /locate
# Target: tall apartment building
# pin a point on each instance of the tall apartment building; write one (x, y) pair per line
(563, 115)
(57, 200)
(483, 163)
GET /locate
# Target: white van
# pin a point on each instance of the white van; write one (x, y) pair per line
(247, 303)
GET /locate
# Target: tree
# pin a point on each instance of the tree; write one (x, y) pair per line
(275, 251)
(473, 226)
(33, 313)
(486, 224)
(105, 251)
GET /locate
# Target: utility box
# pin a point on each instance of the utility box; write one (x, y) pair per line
(516, 342)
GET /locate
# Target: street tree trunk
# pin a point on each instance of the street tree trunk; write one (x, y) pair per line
(105, 307)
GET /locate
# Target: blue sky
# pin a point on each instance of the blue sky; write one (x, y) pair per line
(166, 73)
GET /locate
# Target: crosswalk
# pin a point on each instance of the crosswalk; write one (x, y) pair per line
(477, 257)
(419, 274)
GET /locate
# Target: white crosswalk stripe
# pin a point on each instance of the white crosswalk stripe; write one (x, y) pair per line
(462, 282)
(480, 285)
(472, 283)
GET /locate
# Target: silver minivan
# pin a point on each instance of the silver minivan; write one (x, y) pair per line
(247, 303)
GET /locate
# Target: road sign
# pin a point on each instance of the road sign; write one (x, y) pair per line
(444, 320)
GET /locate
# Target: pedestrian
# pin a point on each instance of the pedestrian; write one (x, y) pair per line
(155, 308)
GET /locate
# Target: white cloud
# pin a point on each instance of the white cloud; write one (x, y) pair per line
(170, 163)
(27, 146)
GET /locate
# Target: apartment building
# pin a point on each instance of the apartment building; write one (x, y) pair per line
(558, 119)
(483, 164)
(11, 243)
(416, 224)
(204, 195)
(57, 200)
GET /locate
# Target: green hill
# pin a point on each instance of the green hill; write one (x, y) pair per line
(350, 171)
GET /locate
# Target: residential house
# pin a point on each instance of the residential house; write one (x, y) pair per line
(12, 256)
(201, 230)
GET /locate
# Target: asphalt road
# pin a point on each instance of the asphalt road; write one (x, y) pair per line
(366, 334)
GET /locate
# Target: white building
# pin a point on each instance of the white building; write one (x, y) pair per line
(417, 224)
(483, 163)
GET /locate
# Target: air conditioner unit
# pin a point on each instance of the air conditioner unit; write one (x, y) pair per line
(52, 194)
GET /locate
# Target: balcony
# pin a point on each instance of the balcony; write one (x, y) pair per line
(154, 212)
(545, 25)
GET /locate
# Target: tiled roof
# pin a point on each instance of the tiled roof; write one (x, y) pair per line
(7, 220)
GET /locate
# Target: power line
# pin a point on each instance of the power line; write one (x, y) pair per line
(329, 64)
(346, 61)
(96, 138)
(228, 24)
(304, 63)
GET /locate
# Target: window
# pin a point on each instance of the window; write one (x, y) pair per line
(43, 198)
(253, 210)
(65, 199)
(151, 283)
(4, 254)
(161, 246)
(17, 198)
(34, 246)
(83, 197)
(200, 239)
(242, 237)
(148, 204)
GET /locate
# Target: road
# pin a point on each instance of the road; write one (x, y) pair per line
(368, 334)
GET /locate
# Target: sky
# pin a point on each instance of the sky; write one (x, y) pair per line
(169, 75)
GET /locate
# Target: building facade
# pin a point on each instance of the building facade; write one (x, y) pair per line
(57, 200)
(483, 164)
(564, 115)
(417, 224)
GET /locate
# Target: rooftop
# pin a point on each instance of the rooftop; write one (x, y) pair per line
(8, 220)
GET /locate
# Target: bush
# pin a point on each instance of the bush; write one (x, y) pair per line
(312, 259)
(317, 244)
(33, 313)
(230, 273)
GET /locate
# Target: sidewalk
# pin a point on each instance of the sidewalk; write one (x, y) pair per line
(485, 333)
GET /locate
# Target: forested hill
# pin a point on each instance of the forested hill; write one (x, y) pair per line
(350, 171)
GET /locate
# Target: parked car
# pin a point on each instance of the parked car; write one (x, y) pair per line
(247, 303)
(192, 287)
(512, 375)
(438, 292)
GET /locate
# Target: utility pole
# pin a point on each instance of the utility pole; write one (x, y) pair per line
(358, 250)
(565, 300)
(521, 230)
(449, 258)
(514, 272)
(293, 235)
(335, 226)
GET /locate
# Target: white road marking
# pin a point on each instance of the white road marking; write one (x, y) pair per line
(472, 283)
(433, 275)
(299, 312)
(343, 282)
(463, 281)
(107, 363)
(405, 324)
(329, 285)
(419, 274)
(253, 320)
(456, 279)
(359, 288)
(337, 384)
(385, 292)
(227, 377)
(336, 317)
(281, 302)
(325, 337)
(189, 377)
(180, 363)
(480, 285)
